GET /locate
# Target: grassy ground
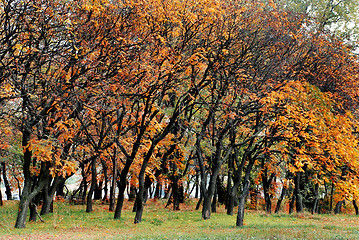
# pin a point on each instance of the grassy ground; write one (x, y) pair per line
(72, 222)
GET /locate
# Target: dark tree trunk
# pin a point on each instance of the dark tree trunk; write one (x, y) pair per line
(338, 207)
(232, 196)
(6, 182)
(121, 197)
(139, 197)
(316, 199)
(146, 193)
(113, 182)
(18, 185)
(93, 184)
(291, 204)
(105, 188)
(1, 201)
(356, 207)
(158, 191)
(266, 185)
(98, 191)
(298, 195)
(33, 207)
(84, 189)
(28, 194)
(60, 189)
(132, 194)
(175, 193)
(242, 198)
(200, 200)
(121, 188)
(48, 194)
(167, 191)
(196, 195)
(331, 198)
(280, 200)
(214, 201)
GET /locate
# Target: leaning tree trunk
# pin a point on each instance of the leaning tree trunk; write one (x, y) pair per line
(28, 194)
(141, 184)
(356, 207)
(139, 197)
(6, 182)
(122, 187)
(236, 182)
(33, 207)
(242, 198)
(291, 204)
(280, 200)
(105, 188)
(48, 194)
(93, 183)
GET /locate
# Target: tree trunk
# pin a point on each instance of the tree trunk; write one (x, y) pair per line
(200, 200)
(6, 182)
(175, 193)
(214, 201)
(146, 192)
(196, 195)
(356, 207)
(158, 191)
(1, 201)
(60, 189)
(282, 196)
(98, 191)
(28, 194)
(298, 195)
(266, 185)
(121, 188)
(105, 188)
(291, 204)
(113, 183)
(242, 198)
(93, 183)
(48, 194)
(232, 196)
(331, 198)
(139, 197)
(33, 207)
(316, 199)
(338, 207)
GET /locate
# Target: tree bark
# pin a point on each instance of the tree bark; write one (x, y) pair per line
(93, 183)
(298, 195)
(338, 207)
(122, 187)
(6, 182)
(48, 194)
(242, 198)
(291, 204)
(236, 182)
(282, 196)
(1, 201)
(316, 199)
(29, 191)
(113, 182)
(356, 207)
(105, 188)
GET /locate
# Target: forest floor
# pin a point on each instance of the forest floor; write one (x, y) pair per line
(72, 222)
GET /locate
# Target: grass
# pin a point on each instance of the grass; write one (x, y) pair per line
(72, 222)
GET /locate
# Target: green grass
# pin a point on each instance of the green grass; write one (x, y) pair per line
(72, 222)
